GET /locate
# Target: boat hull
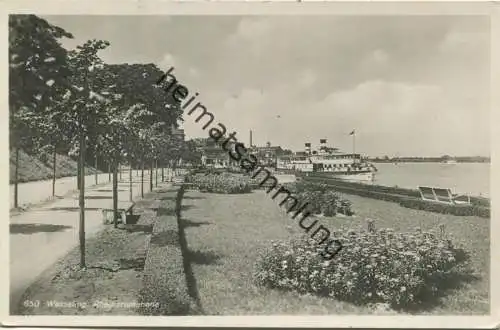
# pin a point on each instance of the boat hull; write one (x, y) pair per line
(362, 177)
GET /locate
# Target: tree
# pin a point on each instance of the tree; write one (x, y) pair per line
(192, 154)
(155, 112)
(38, 71)
(78, 121)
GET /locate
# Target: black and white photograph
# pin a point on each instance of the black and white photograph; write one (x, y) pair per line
(249, 164)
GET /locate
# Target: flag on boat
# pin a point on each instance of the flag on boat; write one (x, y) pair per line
(352, 133)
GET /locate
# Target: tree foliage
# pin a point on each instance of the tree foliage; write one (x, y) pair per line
(38, 72)
(57, 94)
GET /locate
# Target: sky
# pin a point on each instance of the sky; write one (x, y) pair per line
(408, 85)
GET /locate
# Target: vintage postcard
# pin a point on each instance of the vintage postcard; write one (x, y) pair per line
(250, 164)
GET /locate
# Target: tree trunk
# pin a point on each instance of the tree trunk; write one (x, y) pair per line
(95, 165)
(79, 173)
(115, 195)
(120, 170)
(82, 200)
(174, 168)
(109, 171)
(156, 173)
(16, 179)
(142, 179)
(151, 177)
(162, 174)
(130, 183)
(54, 172)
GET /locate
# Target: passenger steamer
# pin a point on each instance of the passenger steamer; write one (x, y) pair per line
(331, 163)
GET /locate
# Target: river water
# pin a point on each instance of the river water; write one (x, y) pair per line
(471, 178)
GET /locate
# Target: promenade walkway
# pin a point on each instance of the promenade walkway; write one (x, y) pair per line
(34, 192)
(43, 234)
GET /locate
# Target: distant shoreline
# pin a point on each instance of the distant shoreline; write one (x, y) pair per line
(428, 161)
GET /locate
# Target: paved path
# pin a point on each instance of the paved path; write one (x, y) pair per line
(42, 235)
(39, 191)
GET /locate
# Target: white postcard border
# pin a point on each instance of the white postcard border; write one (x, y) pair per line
(152, 7)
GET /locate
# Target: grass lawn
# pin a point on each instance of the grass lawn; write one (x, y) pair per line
(226, 233)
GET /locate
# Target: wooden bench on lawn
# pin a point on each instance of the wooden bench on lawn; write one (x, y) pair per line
(443, 195)
(124, 209)
(178, 180)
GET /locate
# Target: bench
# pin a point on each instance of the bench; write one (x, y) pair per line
(443, 195)
(123, 211)
(178, 180)
(189, 185)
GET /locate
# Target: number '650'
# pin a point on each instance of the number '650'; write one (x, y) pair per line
(31, 303)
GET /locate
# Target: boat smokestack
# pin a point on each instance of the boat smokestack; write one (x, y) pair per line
(308, 148)
(322, 144)
(250, 138)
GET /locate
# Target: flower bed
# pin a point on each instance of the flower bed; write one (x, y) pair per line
(399, 269)
(222, 183)
(321, 199)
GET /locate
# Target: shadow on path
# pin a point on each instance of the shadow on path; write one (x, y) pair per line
(203, 257)
(73, 209)
(97, 197)
(134, 228)
(188, 223)
(32, 228)
(186, 207)
(108, 190)
(165, 211)
(188, 257)
(193, 197)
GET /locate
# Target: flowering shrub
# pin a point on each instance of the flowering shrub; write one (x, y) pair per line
(321, 199)
(399, 269)
(222, 183)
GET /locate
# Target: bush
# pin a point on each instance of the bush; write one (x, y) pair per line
(164, 278)
(321, 199)
(460, 210)
(372, 267)
(222, 183)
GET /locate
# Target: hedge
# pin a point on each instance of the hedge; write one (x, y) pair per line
(370, 187)
(460, 210)
(475, 200)
(412, 202)
(164, 278)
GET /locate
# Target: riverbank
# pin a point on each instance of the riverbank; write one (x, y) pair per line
(410, 198)
(225, 234)
(209, 261)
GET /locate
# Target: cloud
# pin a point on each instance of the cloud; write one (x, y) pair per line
(307, 78)
(194, 72)
(401, 118)
(463, 41)
(167, 62)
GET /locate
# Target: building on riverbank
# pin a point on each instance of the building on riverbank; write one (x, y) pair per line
(268, 155)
